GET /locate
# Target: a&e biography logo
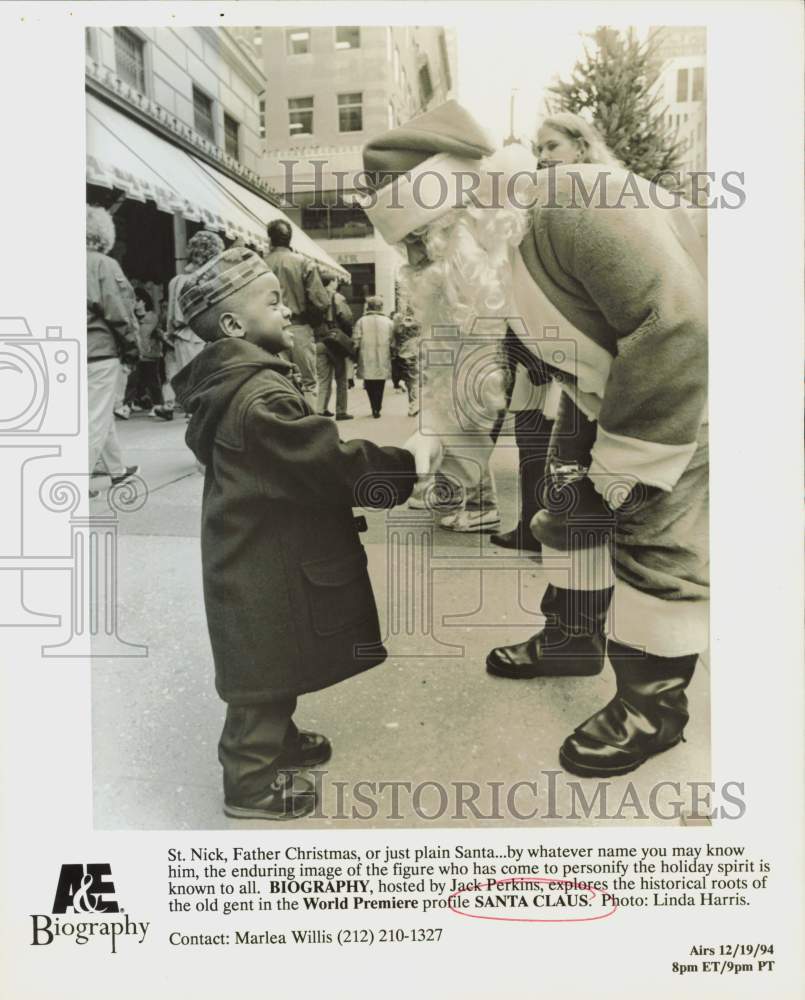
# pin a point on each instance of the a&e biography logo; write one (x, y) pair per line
(86, 890)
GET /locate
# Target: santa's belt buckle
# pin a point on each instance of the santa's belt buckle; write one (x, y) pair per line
(360, 523)
(566, 473)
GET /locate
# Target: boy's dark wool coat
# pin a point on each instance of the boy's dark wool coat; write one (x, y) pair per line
(289, 602)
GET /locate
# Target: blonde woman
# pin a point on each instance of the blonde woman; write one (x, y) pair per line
(566, 138)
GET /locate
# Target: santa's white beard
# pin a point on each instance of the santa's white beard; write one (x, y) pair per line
(463, 375)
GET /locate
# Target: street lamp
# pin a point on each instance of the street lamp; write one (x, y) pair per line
(511, 138)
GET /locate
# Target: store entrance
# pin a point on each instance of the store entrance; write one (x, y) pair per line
(362, 285)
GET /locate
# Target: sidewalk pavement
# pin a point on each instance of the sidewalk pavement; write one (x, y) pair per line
(429, 714)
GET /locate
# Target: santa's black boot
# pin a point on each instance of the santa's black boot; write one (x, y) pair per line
(647, 715)
(571, 644)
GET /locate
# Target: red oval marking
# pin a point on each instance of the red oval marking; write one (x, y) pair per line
(529, 920)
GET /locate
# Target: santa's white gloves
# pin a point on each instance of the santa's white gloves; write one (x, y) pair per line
(426, 447)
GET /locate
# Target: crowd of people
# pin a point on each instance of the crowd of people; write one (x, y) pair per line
(146, 343)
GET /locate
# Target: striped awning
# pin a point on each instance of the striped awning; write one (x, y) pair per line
(124, 155)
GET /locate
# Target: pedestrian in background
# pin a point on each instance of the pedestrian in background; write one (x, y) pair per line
(149, 385)
(111, 339)
(182, 344)
(304, 294)
(372, 337)
(330, 364)
(405, 351)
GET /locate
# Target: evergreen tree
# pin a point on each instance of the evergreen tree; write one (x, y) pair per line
(612, 84)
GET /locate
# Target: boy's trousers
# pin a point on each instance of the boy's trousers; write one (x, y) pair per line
(252, 740)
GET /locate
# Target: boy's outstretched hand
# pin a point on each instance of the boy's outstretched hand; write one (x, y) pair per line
(427, 451)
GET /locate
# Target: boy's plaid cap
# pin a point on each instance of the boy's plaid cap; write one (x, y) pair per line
(224, 274)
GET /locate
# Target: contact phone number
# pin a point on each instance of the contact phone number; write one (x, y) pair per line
(391, 935)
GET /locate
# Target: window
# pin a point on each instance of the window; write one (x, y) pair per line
(202, 115)
(681, 84)
(231, 137)
(335, 219)
(298, 41)
(300, 115)
(396, 64)
(425, 85)
(130, 58)
(261, 124)
(698, 84)
(348, 38)
(257, 39)
(392, 116)
(350, 112)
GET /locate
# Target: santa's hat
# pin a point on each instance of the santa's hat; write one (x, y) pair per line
(438, 161)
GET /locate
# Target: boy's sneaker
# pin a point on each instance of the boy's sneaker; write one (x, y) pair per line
(307, 750)
(162, 413)
(472, 520)
(289, 796)
(122, 412)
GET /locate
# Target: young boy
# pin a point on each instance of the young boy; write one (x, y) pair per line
(289, 602)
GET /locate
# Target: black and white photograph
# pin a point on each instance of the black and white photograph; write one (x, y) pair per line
(429, 518)
(381, 388)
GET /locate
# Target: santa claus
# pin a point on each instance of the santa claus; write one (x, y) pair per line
(599, 276)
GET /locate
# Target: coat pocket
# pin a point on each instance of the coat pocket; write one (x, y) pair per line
(339, 592)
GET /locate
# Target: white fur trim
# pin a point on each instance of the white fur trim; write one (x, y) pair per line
(581, 569)
(558, 341)
(551, 409)
(444, 182)
(526, 395)
(664, 628)
(618, 458)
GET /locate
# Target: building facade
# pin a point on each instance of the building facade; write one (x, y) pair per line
(174, 144)
(681, 61)
(328, 90)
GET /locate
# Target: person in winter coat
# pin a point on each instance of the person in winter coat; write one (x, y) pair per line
(181, 344)
(372, 338)
(303, 293)
(112, 331)
(405, 351)
(288, 598)
(147, 388)
(601, 274)
(330, 364)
